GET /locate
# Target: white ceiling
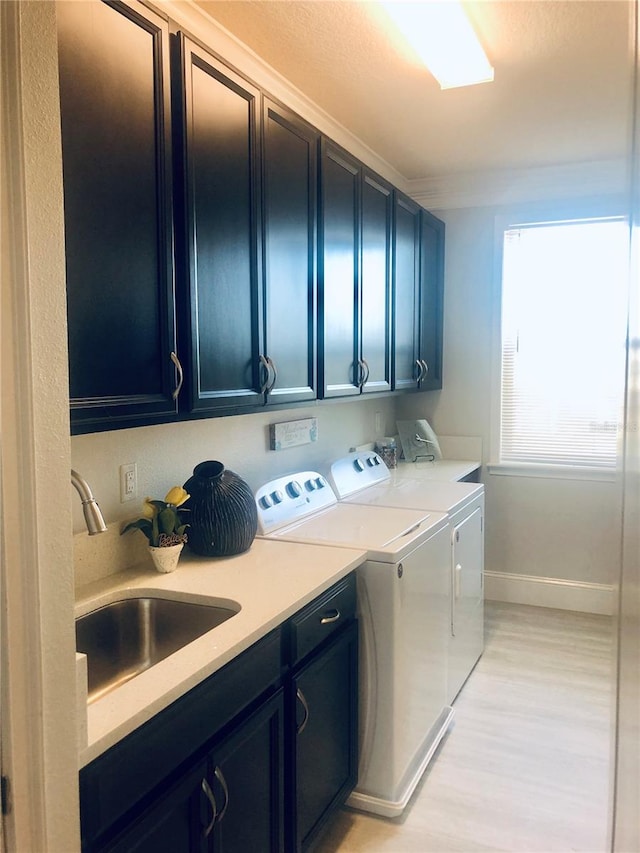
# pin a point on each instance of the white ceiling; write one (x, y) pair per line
(561, 93)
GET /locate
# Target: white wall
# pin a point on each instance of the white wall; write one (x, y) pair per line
(543, 528)
(166, 455)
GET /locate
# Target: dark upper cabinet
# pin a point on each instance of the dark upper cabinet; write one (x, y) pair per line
(355, 276)
(340, 366)
(221, 255)
(406, 294)
(219, 233)
(116, 138)
(377, 221)
(431, 299)
(290, 155)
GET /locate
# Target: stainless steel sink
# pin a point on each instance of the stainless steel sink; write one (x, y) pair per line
(124, 638)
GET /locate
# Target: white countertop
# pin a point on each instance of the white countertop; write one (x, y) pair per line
(441, 469)
(270, 582)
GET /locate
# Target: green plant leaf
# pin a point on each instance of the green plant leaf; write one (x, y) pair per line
(142, 524)
(167, 520)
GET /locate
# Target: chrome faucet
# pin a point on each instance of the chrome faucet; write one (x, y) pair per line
(92, 515)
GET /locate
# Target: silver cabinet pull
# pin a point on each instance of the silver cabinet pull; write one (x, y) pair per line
(367, 371)
(206, 788)
(225, 790)
(420, 370)
(303, 702)
(264, 364)
(327, 620)
(425, 367)
(360, 377)
(456, 580)
(272, 365)
(178, 366)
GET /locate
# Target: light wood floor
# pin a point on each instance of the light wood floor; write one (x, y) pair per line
(526, 766)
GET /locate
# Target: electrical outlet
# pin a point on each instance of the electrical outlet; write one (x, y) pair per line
(128, 482)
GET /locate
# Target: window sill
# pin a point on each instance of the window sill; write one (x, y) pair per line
(552, 472)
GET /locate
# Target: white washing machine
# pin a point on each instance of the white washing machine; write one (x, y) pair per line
(363, 478)
(403, 589)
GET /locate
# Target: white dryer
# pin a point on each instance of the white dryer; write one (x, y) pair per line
(363, 478)
(402, 598)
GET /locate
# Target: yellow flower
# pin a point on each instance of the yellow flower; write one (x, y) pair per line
(148, 509)
(176, 496)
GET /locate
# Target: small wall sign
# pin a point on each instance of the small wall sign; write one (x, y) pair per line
(293, 433)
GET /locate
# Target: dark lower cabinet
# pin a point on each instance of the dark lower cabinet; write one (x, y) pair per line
(255, 758)
(174, 823)
(246, 788)
(325, 696)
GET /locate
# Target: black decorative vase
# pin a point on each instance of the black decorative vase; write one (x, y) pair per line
(223, 518)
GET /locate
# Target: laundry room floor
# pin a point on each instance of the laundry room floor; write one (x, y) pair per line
(525, 767)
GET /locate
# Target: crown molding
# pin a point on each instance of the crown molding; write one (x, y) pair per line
(514, 186)
(234, 52)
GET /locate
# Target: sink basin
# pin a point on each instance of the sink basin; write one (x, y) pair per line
(124, 638)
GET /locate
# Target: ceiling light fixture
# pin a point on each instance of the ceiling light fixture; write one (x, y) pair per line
(442, 36)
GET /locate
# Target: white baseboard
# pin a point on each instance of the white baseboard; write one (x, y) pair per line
(549, 592)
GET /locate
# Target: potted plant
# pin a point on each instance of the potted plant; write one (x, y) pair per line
(164, 526)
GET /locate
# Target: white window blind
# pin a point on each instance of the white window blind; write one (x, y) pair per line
(563, 334)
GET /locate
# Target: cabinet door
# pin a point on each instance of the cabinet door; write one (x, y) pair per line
(340, 366)
(220, 119)
(247, 784)
(176, 823)
(290, 225)
(431, 299)
(406, 293)
(377, 214)
(325, 693)
(116, 151)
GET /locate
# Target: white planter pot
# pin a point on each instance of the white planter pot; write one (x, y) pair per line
(166, 559)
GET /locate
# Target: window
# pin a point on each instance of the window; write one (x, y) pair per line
(564, 288)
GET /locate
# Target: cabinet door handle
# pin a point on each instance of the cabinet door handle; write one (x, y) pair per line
(303, 702)
(456, 580)
(367, 371)
(264, 364)
(360, 374)
(272, 365)
(327, 620)
(206, 788)
(426, 369)
(225, 790)
(420, 370)
(178, 366)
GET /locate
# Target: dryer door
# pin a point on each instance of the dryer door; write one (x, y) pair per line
(467, 594)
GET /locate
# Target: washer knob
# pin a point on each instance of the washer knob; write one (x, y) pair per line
(294, 489)
(311, 485)
(358, 464)
(320, 483)
(376, 460)
(277, 497)
(265, 502)
(371, 461)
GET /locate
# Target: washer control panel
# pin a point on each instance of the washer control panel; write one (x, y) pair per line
(357, 471)
(291, 498)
